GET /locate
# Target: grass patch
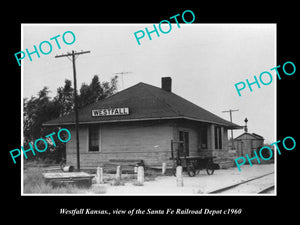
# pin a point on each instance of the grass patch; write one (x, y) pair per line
(117, 182)
(34, 183)
(98, 189)
(39, 163)
(151, 174)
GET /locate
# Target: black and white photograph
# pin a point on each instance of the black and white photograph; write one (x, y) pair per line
(148, 112)
(172, 109)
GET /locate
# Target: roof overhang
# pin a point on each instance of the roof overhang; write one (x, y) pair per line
(232, 126)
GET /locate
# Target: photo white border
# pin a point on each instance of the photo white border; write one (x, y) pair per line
(108, 195)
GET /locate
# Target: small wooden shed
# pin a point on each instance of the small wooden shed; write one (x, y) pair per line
(246, 143)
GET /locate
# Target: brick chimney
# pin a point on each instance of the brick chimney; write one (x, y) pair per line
(166, 84)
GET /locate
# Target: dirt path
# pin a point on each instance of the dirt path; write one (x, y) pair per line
(200, 184)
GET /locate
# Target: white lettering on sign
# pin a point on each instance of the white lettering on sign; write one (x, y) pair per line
(110, 112)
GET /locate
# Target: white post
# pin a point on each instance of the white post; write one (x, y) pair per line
(118, 173)
(179, 176)
(163, 169)
(140, 175)
(99, 175)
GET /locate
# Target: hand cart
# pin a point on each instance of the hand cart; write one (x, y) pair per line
(192, 164)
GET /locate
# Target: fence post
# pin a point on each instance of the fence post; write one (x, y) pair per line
(118, 173)
(99, 175)
(140, 175)
(163, 168)
(179, 177)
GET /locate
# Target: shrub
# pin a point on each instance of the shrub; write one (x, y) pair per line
(34, 183)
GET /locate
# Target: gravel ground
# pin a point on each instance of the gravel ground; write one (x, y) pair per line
(201, 183)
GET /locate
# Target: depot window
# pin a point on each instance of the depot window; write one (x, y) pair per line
(203, 137)
(218, 138)
(94, 139)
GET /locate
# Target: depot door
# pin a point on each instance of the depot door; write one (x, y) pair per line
(240, 148)
(184, 146)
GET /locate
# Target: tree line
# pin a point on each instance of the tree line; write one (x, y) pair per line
(42, 108)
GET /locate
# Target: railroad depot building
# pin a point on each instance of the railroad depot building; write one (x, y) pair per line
(139, 123)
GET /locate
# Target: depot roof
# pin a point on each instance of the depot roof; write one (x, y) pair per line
(254, 135)
(145, 102)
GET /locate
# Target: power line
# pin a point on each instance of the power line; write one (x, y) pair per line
(230, 112)
(122, 73)
(73, 59)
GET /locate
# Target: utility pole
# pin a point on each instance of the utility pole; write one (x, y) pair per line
(230, 112)
(122, 73)
(73, 54)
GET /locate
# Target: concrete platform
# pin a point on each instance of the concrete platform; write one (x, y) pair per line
(61, 178)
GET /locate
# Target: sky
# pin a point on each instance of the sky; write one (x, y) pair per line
(205, 61)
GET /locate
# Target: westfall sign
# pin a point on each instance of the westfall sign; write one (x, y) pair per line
(110, 112)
